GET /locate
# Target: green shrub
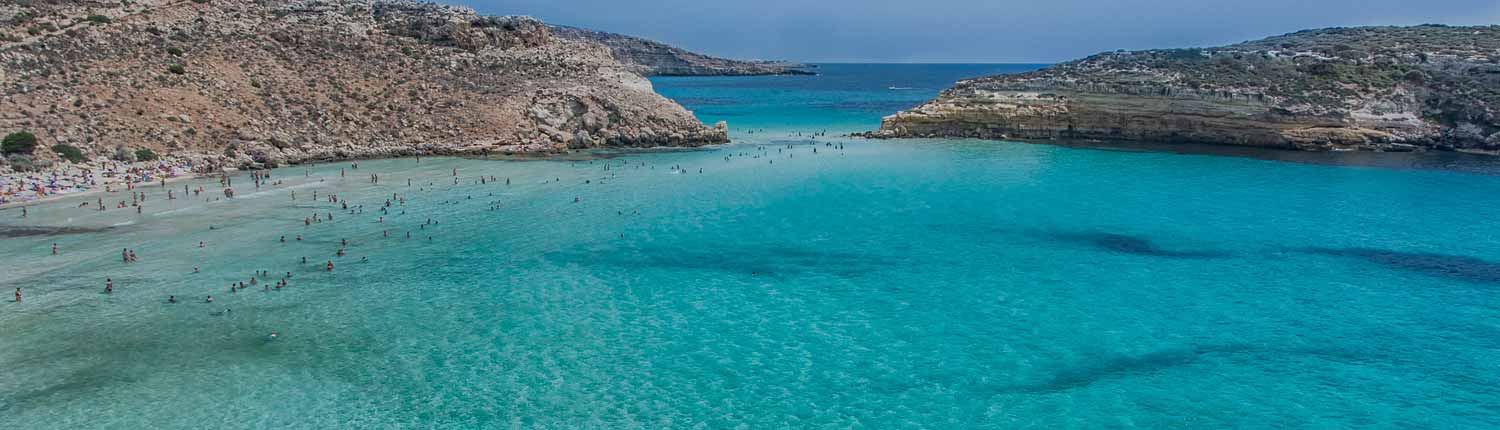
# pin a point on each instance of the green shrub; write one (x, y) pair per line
(176, 69)
(20, 142)
(69, 152)
(98, 19)
(22, 163)
(145, 154)
(174, 51)
(200, 1)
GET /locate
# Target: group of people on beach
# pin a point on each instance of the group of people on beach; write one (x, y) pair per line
(91, 175)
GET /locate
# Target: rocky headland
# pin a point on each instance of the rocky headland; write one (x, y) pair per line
(652, 58)
(1371, 88)
(272, 82)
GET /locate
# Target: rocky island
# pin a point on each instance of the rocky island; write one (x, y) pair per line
(652, 58)
(1370, 88)
(266, 83)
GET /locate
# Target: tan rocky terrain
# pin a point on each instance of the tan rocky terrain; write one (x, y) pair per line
(285, 81)
(1371, 88)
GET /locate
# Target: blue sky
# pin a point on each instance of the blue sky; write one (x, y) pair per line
(971, 30)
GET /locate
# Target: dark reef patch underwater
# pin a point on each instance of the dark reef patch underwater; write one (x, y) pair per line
(1457, 267)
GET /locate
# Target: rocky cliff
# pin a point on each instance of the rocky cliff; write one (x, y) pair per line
(1372, 88)
(279, 81)
(651, 58)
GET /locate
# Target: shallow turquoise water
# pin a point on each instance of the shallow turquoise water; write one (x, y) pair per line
(901, 284)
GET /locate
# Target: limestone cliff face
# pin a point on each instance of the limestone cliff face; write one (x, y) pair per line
(278, 81)
(651, 58)
(1388, 88)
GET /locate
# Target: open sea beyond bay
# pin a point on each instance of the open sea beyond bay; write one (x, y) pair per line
(906, 284)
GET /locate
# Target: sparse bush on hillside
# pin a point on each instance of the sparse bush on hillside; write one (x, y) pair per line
(176, 69)
(20, 162)
(98, 19)
(21, 142)
(69, 152)
(145, 154)
(174, 51)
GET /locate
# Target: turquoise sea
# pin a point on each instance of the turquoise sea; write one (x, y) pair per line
(922, 284)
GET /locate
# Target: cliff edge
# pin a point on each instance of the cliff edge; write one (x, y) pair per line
(1369, 88)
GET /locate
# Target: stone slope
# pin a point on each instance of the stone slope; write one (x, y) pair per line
(278, 81)
(1371, 88)
(652, 58)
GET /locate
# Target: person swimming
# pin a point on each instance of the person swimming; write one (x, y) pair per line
(171, 299)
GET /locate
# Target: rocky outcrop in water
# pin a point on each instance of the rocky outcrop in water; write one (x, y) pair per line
(652, 58)
(285, 81)
(1373, 88)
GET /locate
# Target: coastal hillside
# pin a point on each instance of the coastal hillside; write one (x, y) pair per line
(284, 81)
(1370, 88)
(652, 58)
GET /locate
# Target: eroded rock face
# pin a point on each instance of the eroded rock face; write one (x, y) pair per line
(1388, 88)
(283, 81)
